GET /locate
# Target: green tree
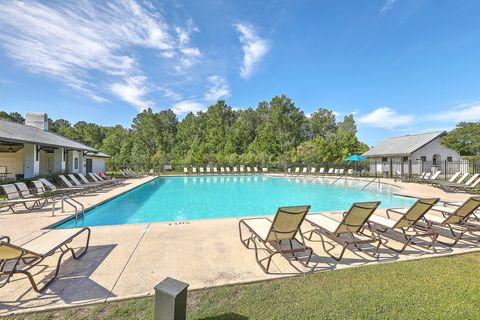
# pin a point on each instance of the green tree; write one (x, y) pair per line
(12, 116)
(323, 123)
(465, 139)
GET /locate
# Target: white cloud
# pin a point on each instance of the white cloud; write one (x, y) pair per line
(186, 106)
(388, 5)
(385, 117)
(254, 48)
(133, 90)
(172, 95)
(218, 88)
(82, 43)
(463, 112)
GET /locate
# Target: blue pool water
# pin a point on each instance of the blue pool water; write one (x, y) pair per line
(188, 198)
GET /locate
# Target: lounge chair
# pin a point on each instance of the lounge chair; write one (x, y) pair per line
(255, 169)
(405, 221)
(432, 178)
(264, 169)
(86, 181)
(69, 185)
(215, 170)
(347, 231)
(450, 182)
(305, 170)
(321, 170)
(235, 169)
(228, 169)
(15, 198)
(284, 228)
(70, 190)
(19, 259)
(185, 170)
(249, 170)
(297, 170)
(91, 185)
(222, 170)
(209, 170)
(313, 170)
(455, 219)
(201, 170)
(452, 187)
(330, 171)
(242, 169)
(350, 172)
(194, 170)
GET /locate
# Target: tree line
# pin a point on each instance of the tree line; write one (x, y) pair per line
(275, 132)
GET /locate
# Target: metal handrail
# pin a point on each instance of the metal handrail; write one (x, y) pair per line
(374, 179)
(77, 215)
(342, 176)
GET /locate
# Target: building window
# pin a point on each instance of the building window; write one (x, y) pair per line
(384, 159)
(405, 159)
(75, 163)
(449, 159)
(423, 158)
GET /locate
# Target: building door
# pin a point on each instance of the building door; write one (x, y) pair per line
(89, 165)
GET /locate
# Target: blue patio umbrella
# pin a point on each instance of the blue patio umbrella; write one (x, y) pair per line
(355, 157)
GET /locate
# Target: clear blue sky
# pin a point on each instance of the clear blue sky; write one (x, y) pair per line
(401, 66)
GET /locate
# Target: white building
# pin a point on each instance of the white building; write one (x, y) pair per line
(414, 153)
(30, 150)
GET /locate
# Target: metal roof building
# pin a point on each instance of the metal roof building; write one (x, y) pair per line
(29, 150)
(404, 145)
(414, 153)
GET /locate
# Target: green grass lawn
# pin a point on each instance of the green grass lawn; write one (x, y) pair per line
(435, 288)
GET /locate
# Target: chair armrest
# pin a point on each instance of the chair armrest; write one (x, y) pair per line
(5, 238)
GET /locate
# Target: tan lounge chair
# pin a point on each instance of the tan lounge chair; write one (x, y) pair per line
(274, 234)
(15, 198)
(347, 231)
(456, 220)
(16, 259)
(405, 221)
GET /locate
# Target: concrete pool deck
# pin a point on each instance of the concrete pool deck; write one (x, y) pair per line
(129, 260)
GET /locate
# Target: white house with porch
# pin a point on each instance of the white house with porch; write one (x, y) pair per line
(414, 153)
(28, 150)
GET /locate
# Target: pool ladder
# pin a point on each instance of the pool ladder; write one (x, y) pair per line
(79, 214)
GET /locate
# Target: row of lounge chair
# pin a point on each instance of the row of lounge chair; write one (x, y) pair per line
(357, 227)
(44, 191)
(223, 170)
(129, 173)
(321, 170)
(20, 259)
(459, 181)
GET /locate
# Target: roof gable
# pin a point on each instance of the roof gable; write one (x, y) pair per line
(403, 145)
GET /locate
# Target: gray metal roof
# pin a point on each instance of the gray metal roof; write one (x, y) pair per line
(99, 154)
(20, 133)
(403, 145)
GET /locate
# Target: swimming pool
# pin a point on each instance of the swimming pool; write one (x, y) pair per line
(204, 197)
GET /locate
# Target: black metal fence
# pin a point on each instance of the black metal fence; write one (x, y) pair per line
(370, 167)
(412, 167)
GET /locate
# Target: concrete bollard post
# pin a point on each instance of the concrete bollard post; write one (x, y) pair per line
(171, 300)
